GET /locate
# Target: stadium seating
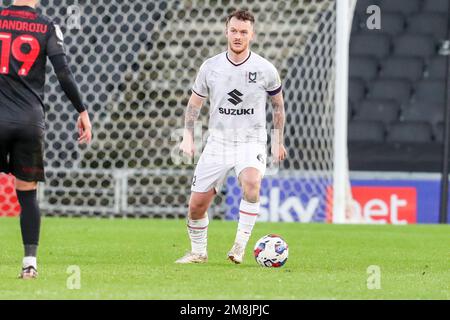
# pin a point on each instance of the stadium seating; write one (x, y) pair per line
(393, 24)
(437, 69)
(366, 131)
(397, 90)
(439, 6)
(402, 68)
(413, 45)
(397, 86)
(432, 91)
(429, 24)
(364, 67)
(370, 44)
(356, 90)
(385, 111)
(409, 132)
(405, 7)
(438, 132)
(362, 5)
(415, 112)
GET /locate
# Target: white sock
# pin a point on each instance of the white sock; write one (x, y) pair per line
(29, 261)
(248, 214)
(198, 233)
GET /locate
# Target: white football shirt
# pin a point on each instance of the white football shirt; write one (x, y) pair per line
(238, 97)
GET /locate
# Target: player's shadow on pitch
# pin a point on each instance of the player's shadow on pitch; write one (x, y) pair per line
(227, 263)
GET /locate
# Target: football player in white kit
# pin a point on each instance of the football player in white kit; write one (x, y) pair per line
(238, 83)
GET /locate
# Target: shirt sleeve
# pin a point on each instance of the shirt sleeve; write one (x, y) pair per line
(67, 81)
(273, 81)
(55, 43)
(200, 86)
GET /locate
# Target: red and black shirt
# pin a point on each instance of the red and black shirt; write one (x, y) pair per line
(27, 38)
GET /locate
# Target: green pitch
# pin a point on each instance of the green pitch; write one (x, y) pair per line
(134, 259)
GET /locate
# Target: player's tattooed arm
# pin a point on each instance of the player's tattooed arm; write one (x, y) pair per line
(278, 117)
(191, 116)
(192, 113)
(278, 150)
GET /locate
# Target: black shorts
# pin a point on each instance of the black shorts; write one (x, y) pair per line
(22, 151)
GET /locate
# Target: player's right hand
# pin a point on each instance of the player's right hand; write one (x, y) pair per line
(84, 128)
(187, 146)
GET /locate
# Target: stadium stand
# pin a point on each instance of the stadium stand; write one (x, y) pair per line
(385, 111)
(439, 6)
(436, 69)
(397, 88)
(363, 67)
(409, 69)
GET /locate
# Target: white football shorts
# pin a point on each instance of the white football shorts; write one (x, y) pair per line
(218, 159)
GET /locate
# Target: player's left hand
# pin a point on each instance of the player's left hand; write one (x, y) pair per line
(279, 152)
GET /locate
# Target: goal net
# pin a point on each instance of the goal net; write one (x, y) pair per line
(135, 62)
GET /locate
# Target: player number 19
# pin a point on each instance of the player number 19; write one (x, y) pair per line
(9, 46)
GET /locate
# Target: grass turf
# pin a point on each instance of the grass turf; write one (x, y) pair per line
(133, 259)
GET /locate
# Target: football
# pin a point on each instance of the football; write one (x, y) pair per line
(271, 251)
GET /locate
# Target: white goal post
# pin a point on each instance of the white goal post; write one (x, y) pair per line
(341, 181)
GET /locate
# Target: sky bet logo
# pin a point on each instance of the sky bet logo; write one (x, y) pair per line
(235, 100)
(382, 205)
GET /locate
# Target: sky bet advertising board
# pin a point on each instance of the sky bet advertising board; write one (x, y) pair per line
(374, 201)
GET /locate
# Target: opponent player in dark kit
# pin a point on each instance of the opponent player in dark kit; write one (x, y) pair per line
(26, 40)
